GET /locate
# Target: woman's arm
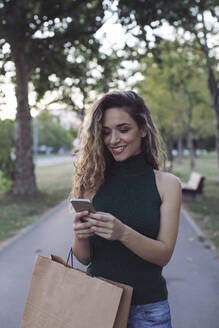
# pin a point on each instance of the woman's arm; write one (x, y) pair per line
(157, 251)
(82, 250)
(81, 242)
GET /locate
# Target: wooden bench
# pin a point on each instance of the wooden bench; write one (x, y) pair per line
(194, 187)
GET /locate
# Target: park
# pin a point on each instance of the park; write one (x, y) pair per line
(57, 58)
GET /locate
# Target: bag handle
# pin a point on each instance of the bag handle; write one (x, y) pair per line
(70, 256)
(66, 264)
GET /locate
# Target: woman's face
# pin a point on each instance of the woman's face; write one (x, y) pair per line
(121, 134)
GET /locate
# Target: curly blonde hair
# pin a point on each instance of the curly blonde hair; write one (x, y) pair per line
(94, 158)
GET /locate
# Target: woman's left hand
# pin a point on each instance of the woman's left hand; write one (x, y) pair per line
(106, 225)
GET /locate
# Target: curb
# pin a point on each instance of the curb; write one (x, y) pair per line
(207, 243)
(25, 230)
(197, 230)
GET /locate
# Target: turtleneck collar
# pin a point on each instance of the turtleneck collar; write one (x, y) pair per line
(133, 165)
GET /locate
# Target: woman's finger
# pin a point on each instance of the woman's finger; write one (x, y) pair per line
(82, 232)
(100, 223)
(100, 230)
(81, 226)
(79, 215)
(100, 216)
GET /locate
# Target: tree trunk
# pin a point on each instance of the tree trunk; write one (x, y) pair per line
(214, 93)
(179, 146)
(217, 143)
(191, 150)
(169, 149)
(24, 178)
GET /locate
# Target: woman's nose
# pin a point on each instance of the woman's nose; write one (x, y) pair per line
(114, 138)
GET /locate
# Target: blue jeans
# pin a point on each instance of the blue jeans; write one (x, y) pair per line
(156, 315)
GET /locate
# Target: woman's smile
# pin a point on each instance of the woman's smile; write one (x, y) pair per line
(118, 150)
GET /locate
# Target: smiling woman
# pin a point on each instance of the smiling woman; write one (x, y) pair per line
(116, 114)
(132, 234)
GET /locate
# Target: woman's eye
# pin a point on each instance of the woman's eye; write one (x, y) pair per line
(105, 133)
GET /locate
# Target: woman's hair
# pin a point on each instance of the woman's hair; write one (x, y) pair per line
(94, 158)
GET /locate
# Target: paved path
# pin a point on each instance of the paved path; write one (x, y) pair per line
(192, 275)
(54, 160)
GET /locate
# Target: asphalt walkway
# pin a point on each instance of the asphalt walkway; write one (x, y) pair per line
(192, 275)
(54, 160)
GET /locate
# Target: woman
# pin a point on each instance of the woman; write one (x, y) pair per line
(132, 235)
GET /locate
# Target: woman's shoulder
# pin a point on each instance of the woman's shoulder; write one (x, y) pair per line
(166, 181)
(164, 177)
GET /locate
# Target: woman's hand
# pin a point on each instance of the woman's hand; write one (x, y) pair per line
(81, 226)
(106, 225)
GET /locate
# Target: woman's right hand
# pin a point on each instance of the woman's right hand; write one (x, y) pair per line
(81, 227)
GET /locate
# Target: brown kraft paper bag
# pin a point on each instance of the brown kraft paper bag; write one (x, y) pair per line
(62, 297)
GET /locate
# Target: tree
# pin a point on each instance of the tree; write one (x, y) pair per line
(175, 90)
(95, 75)
(191, 16)
(51, 133)
(43, 38)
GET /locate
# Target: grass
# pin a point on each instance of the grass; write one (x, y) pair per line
(54, 183)
(204, 212)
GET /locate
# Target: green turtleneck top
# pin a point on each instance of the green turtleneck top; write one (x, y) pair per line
(130, 194)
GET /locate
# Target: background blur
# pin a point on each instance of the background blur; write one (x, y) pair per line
(57, 57)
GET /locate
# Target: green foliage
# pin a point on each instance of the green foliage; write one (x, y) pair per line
(73, 133)
(5, 183)
(175, 90)
(6, 145)
(51, 133)
(152, 13)
(197, 20)
(49, 41)
(7, 133)
(57, 41)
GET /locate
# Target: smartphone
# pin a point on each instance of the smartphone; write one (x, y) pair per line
(82, 204)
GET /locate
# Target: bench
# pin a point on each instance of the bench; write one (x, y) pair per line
(194, 187)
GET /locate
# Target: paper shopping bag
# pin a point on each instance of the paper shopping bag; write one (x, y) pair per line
(124, 305)
(62, 297)
(125, 302)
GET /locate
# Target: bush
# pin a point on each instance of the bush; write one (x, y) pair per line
(5, 184)
(6, 145)
(52, 134)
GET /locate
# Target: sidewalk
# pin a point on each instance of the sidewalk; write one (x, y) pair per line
(193, 280)
(54, 160)
(192, 275)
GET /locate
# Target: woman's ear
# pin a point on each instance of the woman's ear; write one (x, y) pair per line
(143, 132)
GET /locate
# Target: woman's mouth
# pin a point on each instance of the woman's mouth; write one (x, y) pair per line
(117, 150)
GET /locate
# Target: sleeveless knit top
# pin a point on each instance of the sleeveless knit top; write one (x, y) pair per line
(130, 194)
